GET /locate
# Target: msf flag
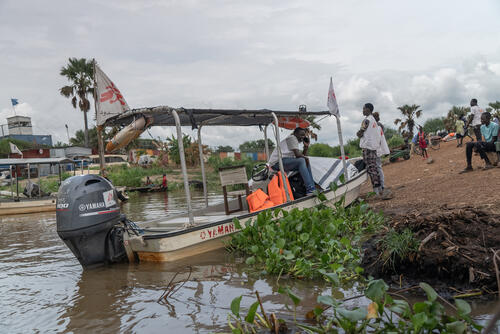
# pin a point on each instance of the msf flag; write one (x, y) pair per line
(109, 100)
(14, 149)
(332, 101)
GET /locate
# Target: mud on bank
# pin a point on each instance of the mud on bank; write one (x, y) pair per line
(455, 250)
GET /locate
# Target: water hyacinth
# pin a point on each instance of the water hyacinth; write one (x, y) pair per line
(309, 242)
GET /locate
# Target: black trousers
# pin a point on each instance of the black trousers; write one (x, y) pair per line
(477, 132)
(481, 147)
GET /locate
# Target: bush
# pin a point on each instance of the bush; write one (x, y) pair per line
(132, 176)
(395, 141)
(320, 150)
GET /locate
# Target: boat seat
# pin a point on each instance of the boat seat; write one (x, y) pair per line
(233, 175)
(237, 192)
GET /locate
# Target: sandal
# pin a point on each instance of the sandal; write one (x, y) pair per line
(466, 170)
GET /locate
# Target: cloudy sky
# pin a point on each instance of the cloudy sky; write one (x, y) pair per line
(252, 54)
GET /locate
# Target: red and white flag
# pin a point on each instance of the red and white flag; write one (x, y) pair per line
(110, 101)
(332, 101)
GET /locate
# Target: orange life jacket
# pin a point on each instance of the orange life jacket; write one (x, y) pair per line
(276, 189)
(258, 200)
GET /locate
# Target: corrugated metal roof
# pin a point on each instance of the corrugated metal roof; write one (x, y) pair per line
(35, 161)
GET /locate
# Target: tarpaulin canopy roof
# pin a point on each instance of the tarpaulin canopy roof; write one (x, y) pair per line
(162, 115)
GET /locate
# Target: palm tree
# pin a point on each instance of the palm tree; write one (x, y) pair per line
(410, 113)
(79, 73)
(453, 114)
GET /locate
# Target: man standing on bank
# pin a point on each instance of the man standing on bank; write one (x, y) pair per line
(293, 158)
(476, 120)
(369, 135)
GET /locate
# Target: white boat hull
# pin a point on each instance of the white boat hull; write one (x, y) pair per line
(211, 231)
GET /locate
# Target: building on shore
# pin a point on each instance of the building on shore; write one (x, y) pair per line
(20, 128)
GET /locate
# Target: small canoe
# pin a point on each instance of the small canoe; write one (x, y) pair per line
(27, 206)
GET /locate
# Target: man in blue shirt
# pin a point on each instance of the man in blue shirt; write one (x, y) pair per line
(489, 131)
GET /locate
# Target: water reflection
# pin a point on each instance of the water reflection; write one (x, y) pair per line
(44, 289)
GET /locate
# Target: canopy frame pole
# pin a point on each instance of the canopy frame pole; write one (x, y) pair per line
(39, 183)
(29, 178)
(266, 145)
(202, 164)
(17, 183)
(280, 161)
(11, 182)
(342, 153)
(183, 166)
(59, 172)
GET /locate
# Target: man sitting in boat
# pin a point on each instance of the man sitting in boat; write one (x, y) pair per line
(293, 158)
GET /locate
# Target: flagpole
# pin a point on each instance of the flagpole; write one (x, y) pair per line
(341, 142)
(100, 141)
(334, 110)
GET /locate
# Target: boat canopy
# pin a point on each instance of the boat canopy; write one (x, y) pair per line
(163, 116)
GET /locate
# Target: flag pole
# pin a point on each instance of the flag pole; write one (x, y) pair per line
(100, 141)
(334, 110)
(342, 153)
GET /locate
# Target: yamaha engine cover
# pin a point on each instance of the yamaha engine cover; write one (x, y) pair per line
(88, 214)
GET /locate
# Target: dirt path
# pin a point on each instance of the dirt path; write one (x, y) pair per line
(418, 185)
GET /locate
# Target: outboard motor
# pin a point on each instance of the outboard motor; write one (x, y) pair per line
(87, 214)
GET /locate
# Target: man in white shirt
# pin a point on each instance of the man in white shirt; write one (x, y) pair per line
(476, 120)
(369, 140)
(293, 158)
(382, 150)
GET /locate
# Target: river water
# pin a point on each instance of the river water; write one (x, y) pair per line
(43, 288)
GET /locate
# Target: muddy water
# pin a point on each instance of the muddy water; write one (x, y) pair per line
(44, 289)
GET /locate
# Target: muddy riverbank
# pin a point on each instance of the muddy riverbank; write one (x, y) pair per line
(454, 218)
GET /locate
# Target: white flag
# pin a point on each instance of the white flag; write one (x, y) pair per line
(110, 101)
(332, 101)
(14, 149)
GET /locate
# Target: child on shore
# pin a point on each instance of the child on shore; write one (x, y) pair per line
(422, 143)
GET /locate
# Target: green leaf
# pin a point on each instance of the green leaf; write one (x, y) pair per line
(420, 307)
(354, 315)
(346, 242)
(456, 327)
(236, 223)
(376, 290)
(332, 277)
(418, 320)
(235, 306)
(304, 237)
(289, 255)
(250, 260)
(463, 307)
(359, 270)
(280, 243)
(251, 312)
(236, 331)
(254, 249)
(429, 291)
(342, 178)
(400, 306)
(327, 300)
(295, 299)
